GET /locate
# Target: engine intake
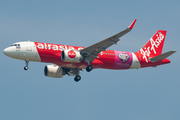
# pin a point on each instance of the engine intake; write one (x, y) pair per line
(71, 56)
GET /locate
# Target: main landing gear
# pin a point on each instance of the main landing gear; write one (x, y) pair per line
(26, 67)
(77, 78)
(89, 68)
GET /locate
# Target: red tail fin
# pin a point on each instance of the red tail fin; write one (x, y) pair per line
(154, 46)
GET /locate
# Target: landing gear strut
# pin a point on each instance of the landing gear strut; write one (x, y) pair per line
(89, 68)
(26, 67)
(77, 78)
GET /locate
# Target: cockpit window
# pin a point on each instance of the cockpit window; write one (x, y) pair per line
(15, 45)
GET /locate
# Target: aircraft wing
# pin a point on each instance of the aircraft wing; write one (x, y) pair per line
(92, 51)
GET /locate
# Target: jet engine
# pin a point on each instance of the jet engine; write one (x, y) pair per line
(53, 71)
(71, 56)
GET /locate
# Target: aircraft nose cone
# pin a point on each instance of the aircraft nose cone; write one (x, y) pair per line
(7, 51)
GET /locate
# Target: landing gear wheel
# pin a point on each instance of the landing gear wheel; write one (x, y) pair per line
(26, 68)
(77, 78)
(89, 68)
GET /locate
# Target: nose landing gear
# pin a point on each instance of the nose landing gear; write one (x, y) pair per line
(26, 67)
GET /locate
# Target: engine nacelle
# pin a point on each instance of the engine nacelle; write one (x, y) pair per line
(71, 56)
(53, 71)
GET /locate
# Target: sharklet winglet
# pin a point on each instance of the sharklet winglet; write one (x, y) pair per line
(132, 24)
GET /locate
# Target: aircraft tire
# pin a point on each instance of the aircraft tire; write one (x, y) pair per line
(77, 78)
(89, 68)
(26, 68)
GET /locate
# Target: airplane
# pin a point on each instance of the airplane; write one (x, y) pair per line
(71, 60)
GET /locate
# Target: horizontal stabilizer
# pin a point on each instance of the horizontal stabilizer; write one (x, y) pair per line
(162, 56)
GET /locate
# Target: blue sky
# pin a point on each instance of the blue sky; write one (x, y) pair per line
(148, 93)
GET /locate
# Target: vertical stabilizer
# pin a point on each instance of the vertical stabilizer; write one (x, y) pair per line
(154, 46)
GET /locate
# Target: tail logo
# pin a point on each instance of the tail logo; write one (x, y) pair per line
(151, 48)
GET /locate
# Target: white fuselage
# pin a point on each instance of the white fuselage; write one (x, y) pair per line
(23, 51)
